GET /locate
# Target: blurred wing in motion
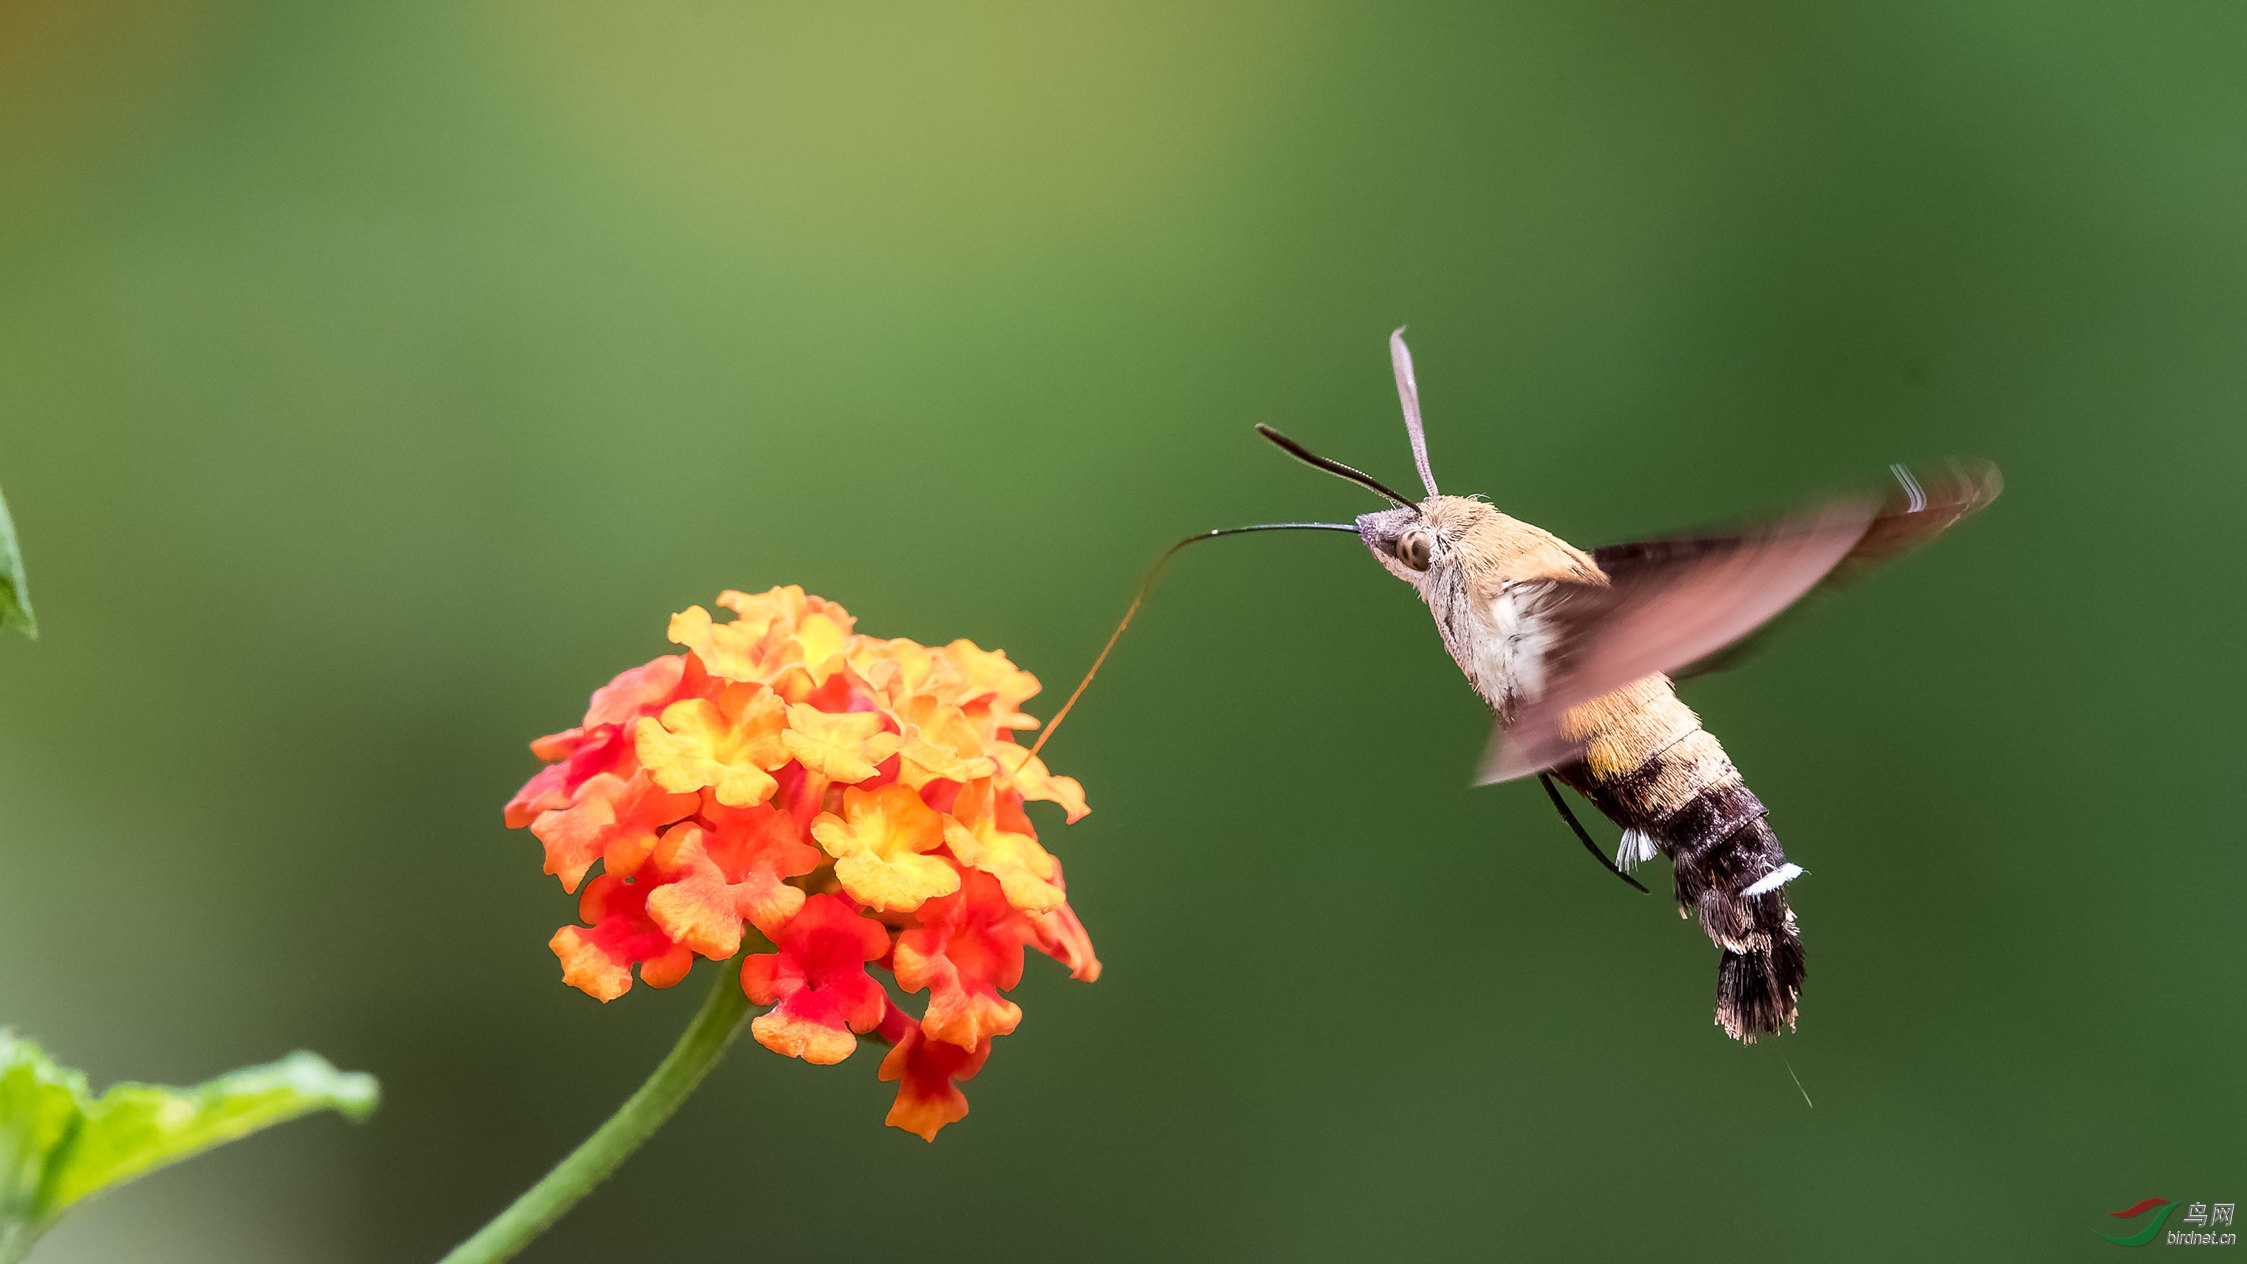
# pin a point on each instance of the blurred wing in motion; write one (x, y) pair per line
(1677, 605)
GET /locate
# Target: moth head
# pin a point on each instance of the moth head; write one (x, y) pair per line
(1414, 542)
(1415, 539)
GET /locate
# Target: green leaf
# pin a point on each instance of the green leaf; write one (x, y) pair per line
(59, 1143)
(41, 1108)
(15, 598)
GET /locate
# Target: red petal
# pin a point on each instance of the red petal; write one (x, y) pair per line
(966, 951)
(817, 981)
(926, 1072)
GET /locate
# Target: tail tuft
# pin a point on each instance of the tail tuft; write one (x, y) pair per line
(1756, 990)
(1737, 883)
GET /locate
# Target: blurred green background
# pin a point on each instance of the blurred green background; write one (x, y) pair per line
(376, 379)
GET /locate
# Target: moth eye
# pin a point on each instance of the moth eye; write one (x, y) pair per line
(1412, 550)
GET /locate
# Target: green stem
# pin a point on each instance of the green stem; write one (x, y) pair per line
(699, 1048)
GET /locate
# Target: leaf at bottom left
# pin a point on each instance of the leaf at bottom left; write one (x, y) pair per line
(60, 1144)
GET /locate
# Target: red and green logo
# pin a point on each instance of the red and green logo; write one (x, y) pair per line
(2153, 1226)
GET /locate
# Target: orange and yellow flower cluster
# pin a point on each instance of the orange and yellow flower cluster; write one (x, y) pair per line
(856, 802)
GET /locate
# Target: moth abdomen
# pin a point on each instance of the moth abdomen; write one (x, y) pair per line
(1652, 769)
(1756, 991)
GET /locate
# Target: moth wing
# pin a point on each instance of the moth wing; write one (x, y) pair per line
(1920, 506)
(1675, 602)
(1679, 604)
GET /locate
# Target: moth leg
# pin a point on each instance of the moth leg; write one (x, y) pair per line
(1594, 848)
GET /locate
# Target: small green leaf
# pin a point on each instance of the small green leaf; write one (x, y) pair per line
(41, 1108)
(59, 1143)
(15, 598)
(136, 1127)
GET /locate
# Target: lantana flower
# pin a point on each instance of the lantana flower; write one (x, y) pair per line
(855, 804)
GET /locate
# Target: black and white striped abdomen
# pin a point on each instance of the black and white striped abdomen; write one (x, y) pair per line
(1652, 768)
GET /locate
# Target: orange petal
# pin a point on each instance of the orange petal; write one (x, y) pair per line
(642, 690)
(1062, 937)
(666, 970)
(544, 792)
(694, 905)
(587, 967)
(759, 848)
(609, 812)
(793, 1037)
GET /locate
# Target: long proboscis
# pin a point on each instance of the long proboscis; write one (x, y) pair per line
(1139, 598)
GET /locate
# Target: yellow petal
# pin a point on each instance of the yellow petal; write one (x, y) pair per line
(1022, 867)
(728, 745)
(890, 821)
(727, 650)
(877, 844)
(821, 641)
(896, 885)
(843, 748)
(990, 676)
(1028, 775)
(938, 741)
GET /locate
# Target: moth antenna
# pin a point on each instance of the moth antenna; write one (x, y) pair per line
(1408, 394)
(1139, 598)
(1336, 468)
